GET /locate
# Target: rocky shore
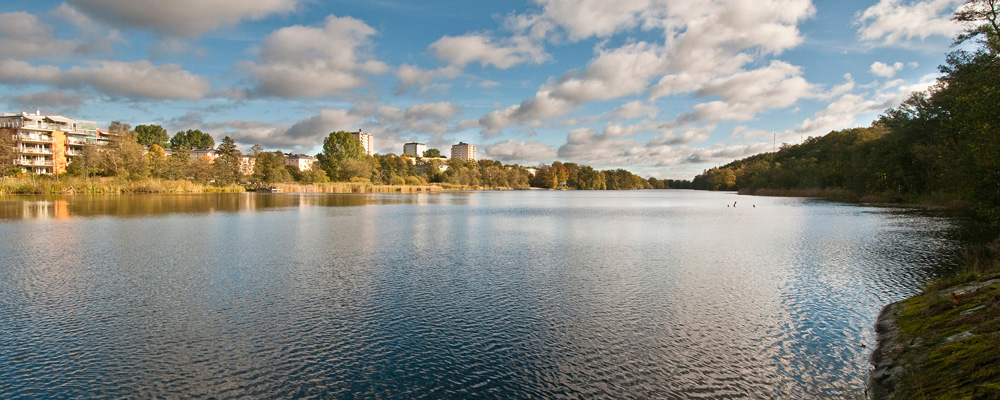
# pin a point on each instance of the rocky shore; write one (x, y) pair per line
(943, 343)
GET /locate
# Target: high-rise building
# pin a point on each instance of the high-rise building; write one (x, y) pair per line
(366, 141)
(464, 151)
(414, 149)
(45, 144)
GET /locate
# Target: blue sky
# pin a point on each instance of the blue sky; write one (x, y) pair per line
(663, 88)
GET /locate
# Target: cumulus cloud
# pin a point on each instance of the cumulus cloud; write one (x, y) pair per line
(477, 48)
(886, 70)
(415, 78)
(724, 153)
(634, 109)
(183, 18)
(613, 74)
(24, 36)
(586, 18)
(530, 112)
(703, 44)
(302, 61)
(514, 151)
(747, 93)
(50, 99)
(839, 114)
(137, 80)
(894, 21)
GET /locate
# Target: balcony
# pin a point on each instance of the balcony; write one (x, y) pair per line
(35, 162)
(34, 138)
(35, 150)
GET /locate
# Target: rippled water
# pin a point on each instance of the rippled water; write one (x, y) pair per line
(649, 294)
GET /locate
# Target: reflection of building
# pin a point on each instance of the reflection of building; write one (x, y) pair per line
(366, 141)
(45, 144)
(464, 151)
(414, 149)
(300, 161)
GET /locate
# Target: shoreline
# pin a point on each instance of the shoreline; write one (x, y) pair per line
(941, 343)
(112, 186)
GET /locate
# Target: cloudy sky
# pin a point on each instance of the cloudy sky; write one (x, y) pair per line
(664, 88)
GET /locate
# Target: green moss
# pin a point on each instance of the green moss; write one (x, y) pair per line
(960, 369)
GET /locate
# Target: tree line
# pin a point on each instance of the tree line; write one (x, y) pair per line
(940, 144)
(140, 153)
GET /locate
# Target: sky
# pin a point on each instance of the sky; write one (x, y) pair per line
(663, 88)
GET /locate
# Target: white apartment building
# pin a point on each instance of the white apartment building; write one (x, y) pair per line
(300, 161)
(366, 141)
(414, 149)
(464, 151)
(45, 144)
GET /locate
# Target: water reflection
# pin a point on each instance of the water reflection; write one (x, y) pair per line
(64, 207)
(655, 294)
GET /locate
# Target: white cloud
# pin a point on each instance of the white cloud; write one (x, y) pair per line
(301, 61)
(50, 99)
(634, 109)
(306, 133)
(703, 42)
(893, 21)
(138, 79)
(412, 77)
(513, 151)
(477, 48)
(885, 70)
(585, 18)
(613, 74)
(530, 112)
(183, 18)
(839, 114)
(24, 36)
(747, 93)
(693, 135)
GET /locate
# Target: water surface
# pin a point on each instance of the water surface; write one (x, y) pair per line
(640, 294)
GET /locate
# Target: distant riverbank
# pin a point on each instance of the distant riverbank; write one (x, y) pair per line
(46, 185)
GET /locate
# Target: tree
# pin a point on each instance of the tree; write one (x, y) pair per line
(316, 174)
(192, 139)
(269, 167)
(178, 163)
(227, 164)
(117, 127)
(983, 19)
(432, 153)
(352, 168)
(337, 147)
(86, 163)
(124, 157)
(149, 135)
(7, 153)
(156, 157)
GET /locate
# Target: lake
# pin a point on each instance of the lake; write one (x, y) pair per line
(540, 294)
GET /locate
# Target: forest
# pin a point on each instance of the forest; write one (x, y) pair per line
(941, 145)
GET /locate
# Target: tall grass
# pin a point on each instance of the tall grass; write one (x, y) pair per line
(101, 185)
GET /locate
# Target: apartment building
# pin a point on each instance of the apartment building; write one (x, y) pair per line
(366, 141)
(300, 161)
(414, 149)
(45, 144)
(464, 151)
